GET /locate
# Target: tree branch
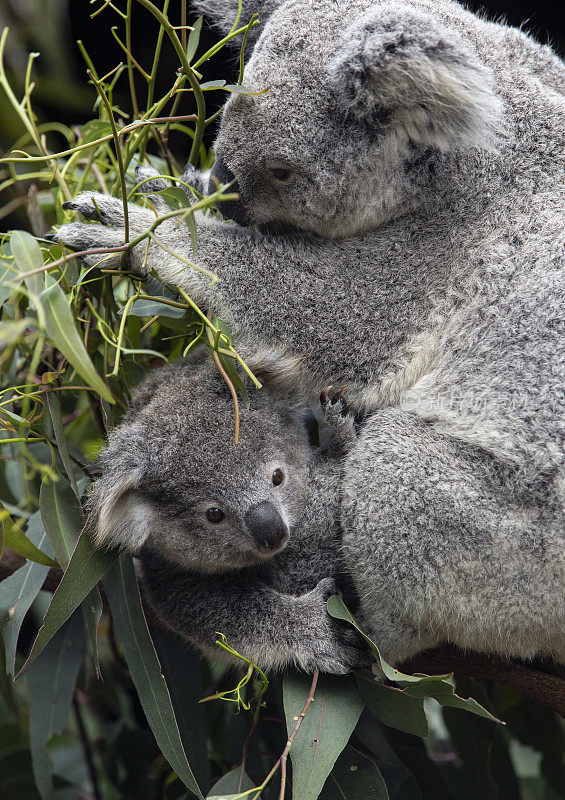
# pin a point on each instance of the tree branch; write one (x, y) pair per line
(540, 680)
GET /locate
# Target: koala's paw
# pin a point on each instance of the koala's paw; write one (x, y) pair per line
(194, 179)
(327, 645)
(339, 415)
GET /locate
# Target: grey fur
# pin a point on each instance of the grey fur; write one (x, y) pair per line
(416, 255)
(173, 457)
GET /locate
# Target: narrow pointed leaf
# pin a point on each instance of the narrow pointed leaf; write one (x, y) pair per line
(445, 695)
(131, 630)
(193, 39)
(354, 777)
(54, 406)
(62, 517)
(394, 707)
(325, 730)
(50, 682)
(28, 256)
(16, 540)
(231, 785)
(338, 609)
(19, 590)
(150, 308)
(61, 329)
(86, 567)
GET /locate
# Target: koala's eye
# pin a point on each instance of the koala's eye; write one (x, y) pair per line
(277, 477)
(280, 174)
(214, 514)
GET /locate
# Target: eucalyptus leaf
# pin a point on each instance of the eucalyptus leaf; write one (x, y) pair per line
(95, 129)
(11, 330)
(444, 693)
(61, 329)
(325, 730)
(54, 406)
(16, 540)
(86, 567)
(152, 308)
(338, 609)
(239, 88)
(394, 707)
(193, 40)
(131, 630)
(207, 85)
(50, 682)
(28, 256)
(354, 777)
(182, 669)
(231, 785)
(19, 590)
(62, 517)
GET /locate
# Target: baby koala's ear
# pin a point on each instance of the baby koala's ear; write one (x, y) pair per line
(276, 370)
(400, 64)
(119, 515)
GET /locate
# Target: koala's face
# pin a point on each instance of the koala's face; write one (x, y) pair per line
(362, 99)
(176, 482)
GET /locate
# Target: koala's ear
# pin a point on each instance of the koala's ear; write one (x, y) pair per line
(402, 64)
(276, 370)
(222, 14)
(119, 516)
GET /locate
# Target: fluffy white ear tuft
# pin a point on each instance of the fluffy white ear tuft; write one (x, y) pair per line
(400, 64)
(119, 516)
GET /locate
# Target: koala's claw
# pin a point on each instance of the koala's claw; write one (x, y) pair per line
(338, 415)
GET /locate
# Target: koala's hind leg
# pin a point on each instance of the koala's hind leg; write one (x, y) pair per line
(445, 545)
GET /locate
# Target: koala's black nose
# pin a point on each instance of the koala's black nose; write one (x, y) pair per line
(266, 526)
(229, 209)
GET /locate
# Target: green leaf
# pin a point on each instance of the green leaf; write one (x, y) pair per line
(17, 541)
(176, 199)
(325, 730)
(131, 630)
(54, 406)
(50, 682)
(85, 568)
(208, 85)
(182, 669)
(239, 88)
(152, 308)
(61, 329)
(18, 591)
(445, 695)
(193, 39)
(395, 707)
(354, 777)
(27, 256)
(62, 517)
(338, 609)
(12, 330)
(95, 129)
(231, 785)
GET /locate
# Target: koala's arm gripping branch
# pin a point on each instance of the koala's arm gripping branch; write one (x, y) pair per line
(544, 683)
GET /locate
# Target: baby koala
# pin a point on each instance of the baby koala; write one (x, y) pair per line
(240, 539)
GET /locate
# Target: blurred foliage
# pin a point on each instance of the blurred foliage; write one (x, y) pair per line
(103, 708)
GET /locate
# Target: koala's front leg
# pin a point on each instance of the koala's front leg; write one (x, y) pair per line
(273, 629)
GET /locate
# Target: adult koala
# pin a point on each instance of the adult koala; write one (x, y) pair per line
(400, 226)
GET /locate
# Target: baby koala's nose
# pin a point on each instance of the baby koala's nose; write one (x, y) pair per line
(266, 526)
